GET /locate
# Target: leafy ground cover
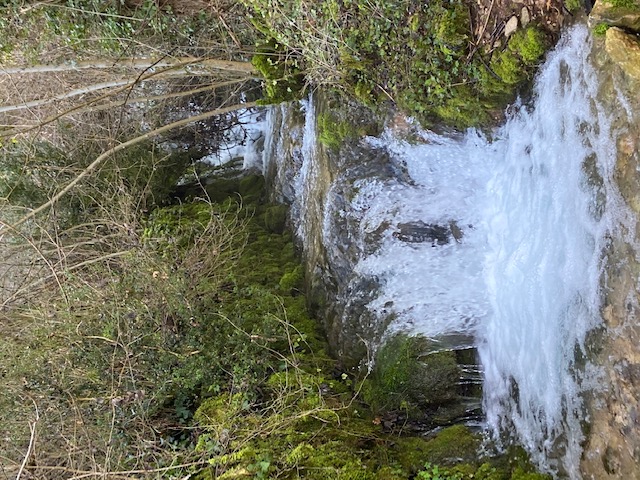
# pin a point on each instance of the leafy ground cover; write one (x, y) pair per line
(425, 58)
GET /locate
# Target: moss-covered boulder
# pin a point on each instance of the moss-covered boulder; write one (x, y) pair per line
(452, 445)
(275, 218)
(410, 376)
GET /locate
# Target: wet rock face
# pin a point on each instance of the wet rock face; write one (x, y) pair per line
(612, 446)
(624, 49)
(611, 13)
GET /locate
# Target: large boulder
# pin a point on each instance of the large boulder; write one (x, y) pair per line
(621, 13)
(624, 49)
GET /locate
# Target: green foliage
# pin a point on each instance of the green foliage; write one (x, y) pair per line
(417, 54)
(574, 5)
(601, 29)
(433, 472)
(283, 81)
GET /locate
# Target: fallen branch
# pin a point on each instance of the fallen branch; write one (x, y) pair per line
(144, 63)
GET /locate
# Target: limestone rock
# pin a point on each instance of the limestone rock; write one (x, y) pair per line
(624, 17)
(525, 17)
(624, 49)
(511, 26)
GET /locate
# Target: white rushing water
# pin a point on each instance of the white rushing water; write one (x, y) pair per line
(524, 278)
(522, 275)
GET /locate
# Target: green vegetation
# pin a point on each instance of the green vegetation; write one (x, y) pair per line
(160, 330)
(574, 5)
(601, 29)
(622, 3)
(407, 376)
(81, 29)
(283, 81)
(524, 49)
(419, 55)
(332, 132)
(196, 352)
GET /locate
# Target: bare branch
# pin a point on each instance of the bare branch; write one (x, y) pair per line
(136, 63)
(122, 146)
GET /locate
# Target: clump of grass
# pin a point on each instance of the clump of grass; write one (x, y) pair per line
(601, 29)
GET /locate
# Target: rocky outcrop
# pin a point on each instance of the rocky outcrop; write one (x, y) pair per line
(618, 13)
(624, 49)
(612, 447)
(420, 232)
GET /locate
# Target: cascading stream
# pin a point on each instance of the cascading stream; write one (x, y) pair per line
(497, 243)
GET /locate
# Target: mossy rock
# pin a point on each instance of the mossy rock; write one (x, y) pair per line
(524, 50)
(275, 218)
(292, 281)
(452, 445)
(529, 44)
(251, 188)
(407, 377)
(219, 189)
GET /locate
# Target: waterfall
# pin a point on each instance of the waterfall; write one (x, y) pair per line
(496, 242)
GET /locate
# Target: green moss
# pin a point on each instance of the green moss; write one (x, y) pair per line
(529, 44)
(574, 5)
(519, 474)
(601, 29)
(622, 3)
(221, 188)
(514, 64)
(333, 132)
(292, 280)
(275, 218)
(463, 109)
(251, 188)
(508, 67)
(405, 377)
(450, 446)
(451, 28)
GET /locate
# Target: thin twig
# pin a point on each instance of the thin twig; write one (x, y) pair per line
(32, 441)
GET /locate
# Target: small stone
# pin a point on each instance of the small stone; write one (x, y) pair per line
(511, 26)
(525, 17)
